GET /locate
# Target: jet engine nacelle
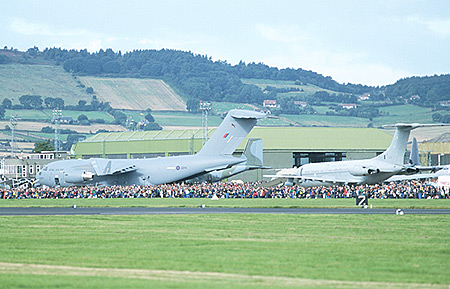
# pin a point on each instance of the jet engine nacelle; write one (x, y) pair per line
(289, 182)
(411, 170)
(78, 178)
(364, 171)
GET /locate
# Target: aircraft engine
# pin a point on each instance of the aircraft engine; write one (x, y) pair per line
(78, 178)
(411, 170)
(289, 182)
(364, 171)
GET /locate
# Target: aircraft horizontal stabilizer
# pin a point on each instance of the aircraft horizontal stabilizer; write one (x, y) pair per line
(247, 114)
(411, 126)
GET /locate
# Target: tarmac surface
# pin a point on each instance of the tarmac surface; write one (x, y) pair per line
(54, 211)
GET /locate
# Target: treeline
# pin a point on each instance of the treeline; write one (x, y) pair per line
(429, 89)
(198, 77)
(195, 76)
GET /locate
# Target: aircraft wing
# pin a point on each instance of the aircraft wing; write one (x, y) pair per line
(106, 167)
(330, 179)
(217, 168)
(419, 176)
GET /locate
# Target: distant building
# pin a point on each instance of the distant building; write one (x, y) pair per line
(365, 96)
(301, 103)
(437, 150)
(27, 165)
(445, 103)
(348, 105)
(414, 97)
(64, 120)
(270, 103)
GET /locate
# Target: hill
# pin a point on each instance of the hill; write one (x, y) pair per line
(135, 93)
(45, 80)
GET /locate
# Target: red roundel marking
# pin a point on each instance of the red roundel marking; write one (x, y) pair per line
(177, 168)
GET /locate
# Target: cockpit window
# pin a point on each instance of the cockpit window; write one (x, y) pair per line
(45, 169)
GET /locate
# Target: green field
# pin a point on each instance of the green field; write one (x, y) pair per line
(135, 93)
(404, 113)
(44, 80)
(308, 89)
(225, 251)
(47, 114)
(229, 203)
(224, 107)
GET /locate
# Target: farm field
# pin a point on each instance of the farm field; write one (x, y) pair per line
(137, 94)
(327, 120)
(308, 89)
(176, 119)
(224, 107)
(225, 251)
(45, 80)
(47, 114)
(37, 126)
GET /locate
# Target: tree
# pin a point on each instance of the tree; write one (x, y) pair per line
(44, 145)
(152, 126)
(437, 117)
(446, 118)
(82, 117)
(51, 102)
(31, 101)
(72, 139)
(193, 105)
(149, 117)
(47, 129)
(4, 59)
(7, 103)
(119, 117)
(111, 67)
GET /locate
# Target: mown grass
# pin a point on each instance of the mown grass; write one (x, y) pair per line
(135, 93)
(351, 248)
(47, 114)
(45, 80)
(229, 203)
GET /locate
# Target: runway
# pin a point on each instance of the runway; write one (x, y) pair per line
(56, 211)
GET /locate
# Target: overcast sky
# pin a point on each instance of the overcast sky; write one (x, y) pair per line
(368, 42)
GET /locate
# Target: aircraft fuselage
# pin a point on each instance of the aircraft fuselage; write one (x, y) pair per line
(143, 171)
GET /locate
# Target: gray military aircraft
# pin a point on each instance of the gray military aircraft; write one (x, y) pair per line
(415, 171)
(215, 155)
(358, 172)
(253, 159)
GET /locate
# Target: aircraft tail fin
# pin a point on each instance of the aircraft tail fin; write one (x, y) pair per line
(253, 153)
(396, 151)
(414, 158)
(231, 132)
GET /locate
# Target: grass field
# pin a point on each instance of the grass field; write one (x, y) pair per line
(37, 126)
(230, 203)
(225, 251)
(45, 80)
(47, 114)
(137, 94)
(308, 89)
(224, 107)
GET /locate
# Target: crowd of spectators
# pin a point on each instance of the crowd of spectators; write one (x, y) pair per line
(409, 189)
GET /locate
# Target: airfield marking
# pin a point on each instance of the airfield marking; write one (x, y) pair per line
(183, 276)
